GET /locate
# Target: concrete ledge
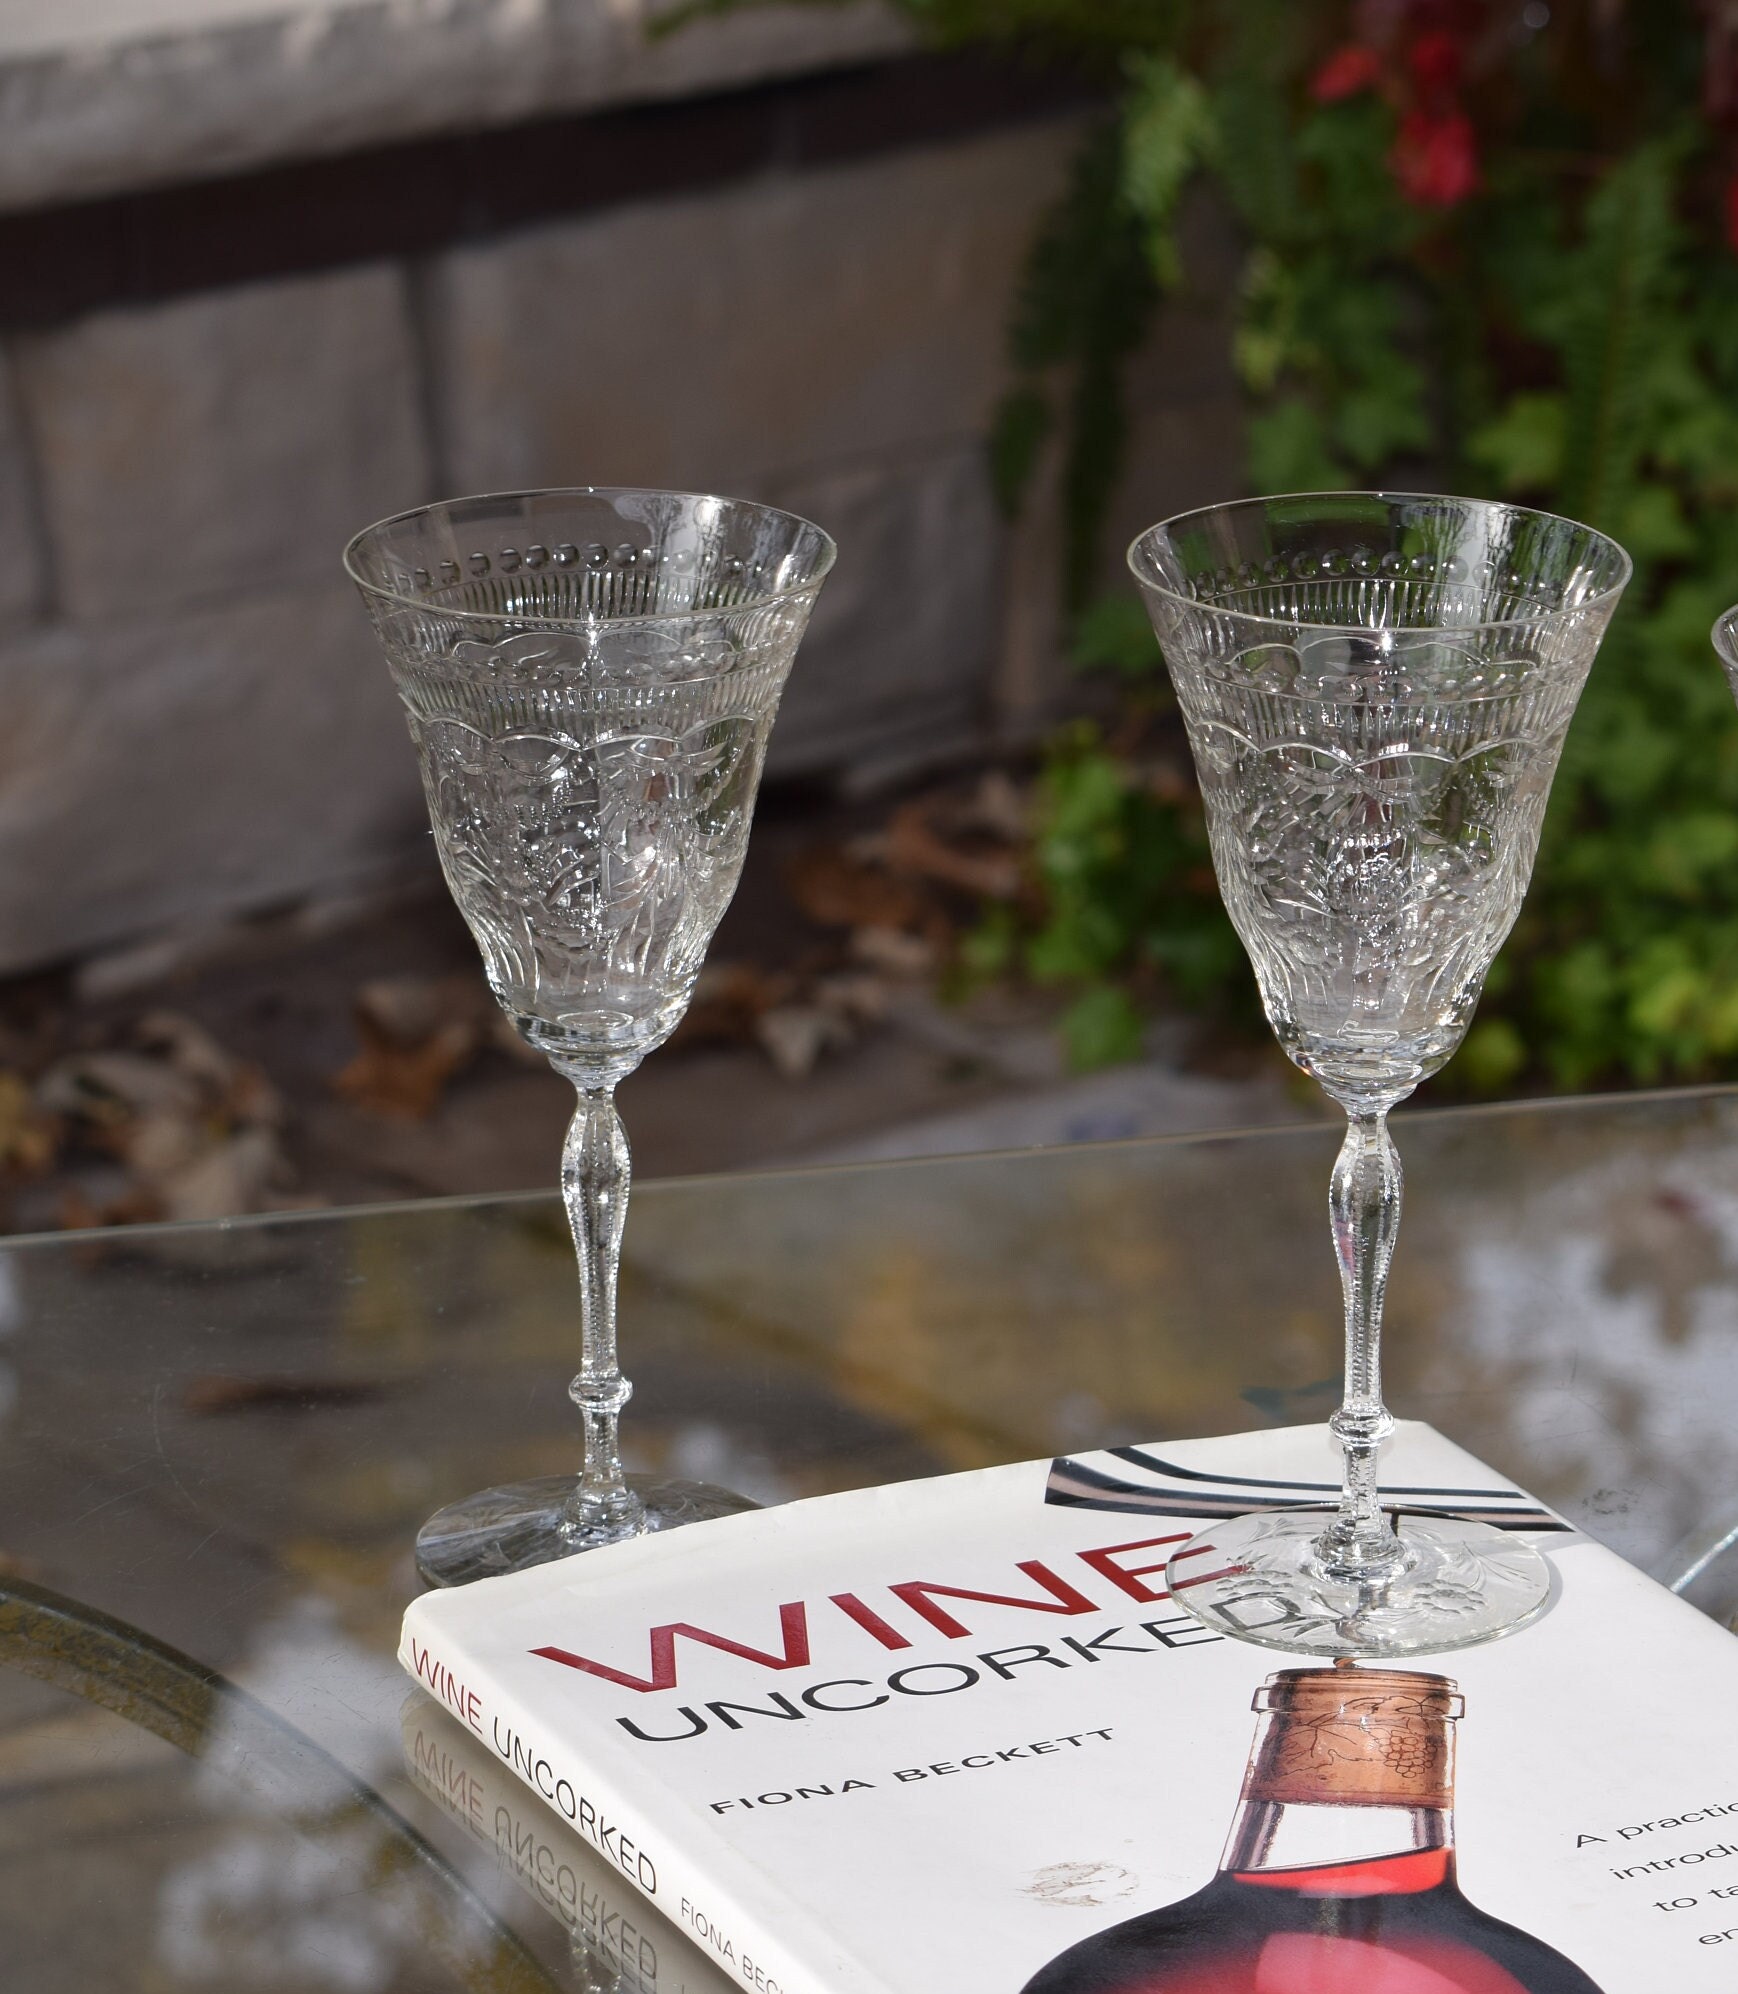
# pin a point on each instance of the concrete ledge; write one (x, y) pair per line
(111, 95)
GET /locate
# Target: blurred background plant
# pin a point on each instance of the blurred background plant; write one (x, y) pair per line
(1489, 246)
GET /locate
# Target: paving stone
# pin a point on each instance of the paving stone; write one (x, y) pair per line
(712, 341)
(224, 442)
(176, 767)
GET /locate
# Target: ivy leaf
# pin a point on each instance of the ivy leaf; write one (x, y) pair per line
(1522, 448)
(1491, 1056)
(1167, 131)
(1114, 635)
(1288, 450)
(1265, 340)
(1022, 422)
(1382, 413)
(1630, 230)
(1693, 850)
(1101, 1028)
(1653, 526)
(1255, 150)
(1085, 297)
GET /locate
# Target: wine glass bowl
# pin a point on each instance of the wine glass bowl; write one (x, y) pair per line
(1724, 636)
(590, 678)
(1376, 690)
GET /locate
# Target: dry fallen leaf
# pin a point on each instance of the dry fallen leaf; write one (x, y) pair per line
(858, 998)
(219, 1394)
(915, 846)
(729, 1001)
(189, 1048)
(795, 1035)
(999, 806)
(109, 1088)
(228, 1178)
(893, 952)
(837, 890)
(29, 1138)
(408, 1081)
(416, 1033)
(410, 1010)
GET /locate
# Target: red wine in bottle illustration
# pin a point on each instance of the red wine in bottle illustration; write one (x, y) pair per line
(1339, 1875)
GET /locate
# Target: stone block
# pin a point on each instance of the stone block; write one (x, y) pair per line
(712, 342)
(224, 442)
(1184, 444)
(21, 581)
(1182, 447)
(896, 665)
(170, 769)
(106, 95)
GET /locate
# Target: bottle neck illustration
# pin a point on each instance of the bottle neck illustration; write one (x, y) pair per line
(1350, 1785)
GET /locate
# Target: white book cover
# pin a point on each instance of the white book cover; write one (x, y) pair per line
(954, 1734)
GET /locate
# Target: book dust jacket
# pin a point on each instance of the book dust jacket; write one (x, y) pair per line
(957, 1734)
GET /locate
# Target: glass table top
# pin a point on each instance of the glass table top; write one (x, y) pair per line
(216, 1443)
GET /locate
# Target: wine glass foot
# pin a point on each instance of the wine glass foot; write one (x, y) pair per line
(1258, 1578)
(522, 1524)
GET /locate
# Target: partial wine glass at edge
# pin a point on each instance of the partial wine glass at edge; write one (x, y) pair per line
(590, 677)
(1376, 689)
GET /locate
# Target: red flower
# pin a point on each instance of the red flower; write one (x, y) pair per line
(1732, 212)
(1435, 60)
(1347, 71)
(1435, 158)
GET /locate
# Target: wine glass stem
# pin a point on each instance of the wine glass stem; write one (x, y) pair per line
(1364, 1201)
(595, 1174)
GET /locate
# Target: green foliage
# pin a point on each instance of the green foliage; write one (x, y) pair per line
(1512, 280)
(1102, 1027)
(1113, 635)
(1129, 896)
(1168, 130)
(1082, 309)
(1565, 332)
(1608, 301)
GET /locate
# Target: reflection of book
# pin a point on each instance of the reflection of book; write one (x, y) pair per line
(952, 1733)
(625, 1946)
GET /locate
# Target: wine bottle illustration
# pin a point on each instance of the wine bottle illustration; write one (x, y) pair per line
(1339, 1874)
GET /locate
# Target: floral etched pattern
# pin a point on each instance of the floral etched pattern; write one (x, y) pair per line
(1373, 844)
(594, 851)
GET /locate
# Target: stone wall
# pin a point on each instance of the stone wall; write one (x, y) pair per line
(193, 719)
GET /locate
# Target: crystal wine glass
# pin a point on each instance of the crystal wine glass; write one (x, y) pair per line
(1725, 637)
(590, 678)
(1376, 688)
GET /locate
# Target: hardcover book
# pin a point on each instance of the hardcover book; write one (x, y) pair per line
(958, 1734)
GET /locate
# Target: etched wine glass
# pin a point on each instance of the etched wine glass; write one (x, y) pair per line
(1725, 638)
(1376, 688)
(590, 678)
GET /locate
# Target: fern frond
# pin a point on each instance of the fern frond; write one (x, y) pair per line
(1622, 267)
(1167, 133)
(1085, 298)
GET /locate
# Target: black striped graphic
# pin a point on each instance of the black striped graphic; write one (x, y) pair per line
(1148, 1485)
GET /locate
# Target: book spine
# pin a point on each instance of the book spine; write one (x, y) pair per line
(696, 1896)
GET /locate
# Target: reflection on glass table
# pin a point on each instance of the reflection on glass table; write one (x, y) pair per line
(225, 1436)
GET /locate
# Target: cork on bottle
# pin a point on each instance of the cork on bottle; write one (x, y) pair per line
(1355, 1737)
